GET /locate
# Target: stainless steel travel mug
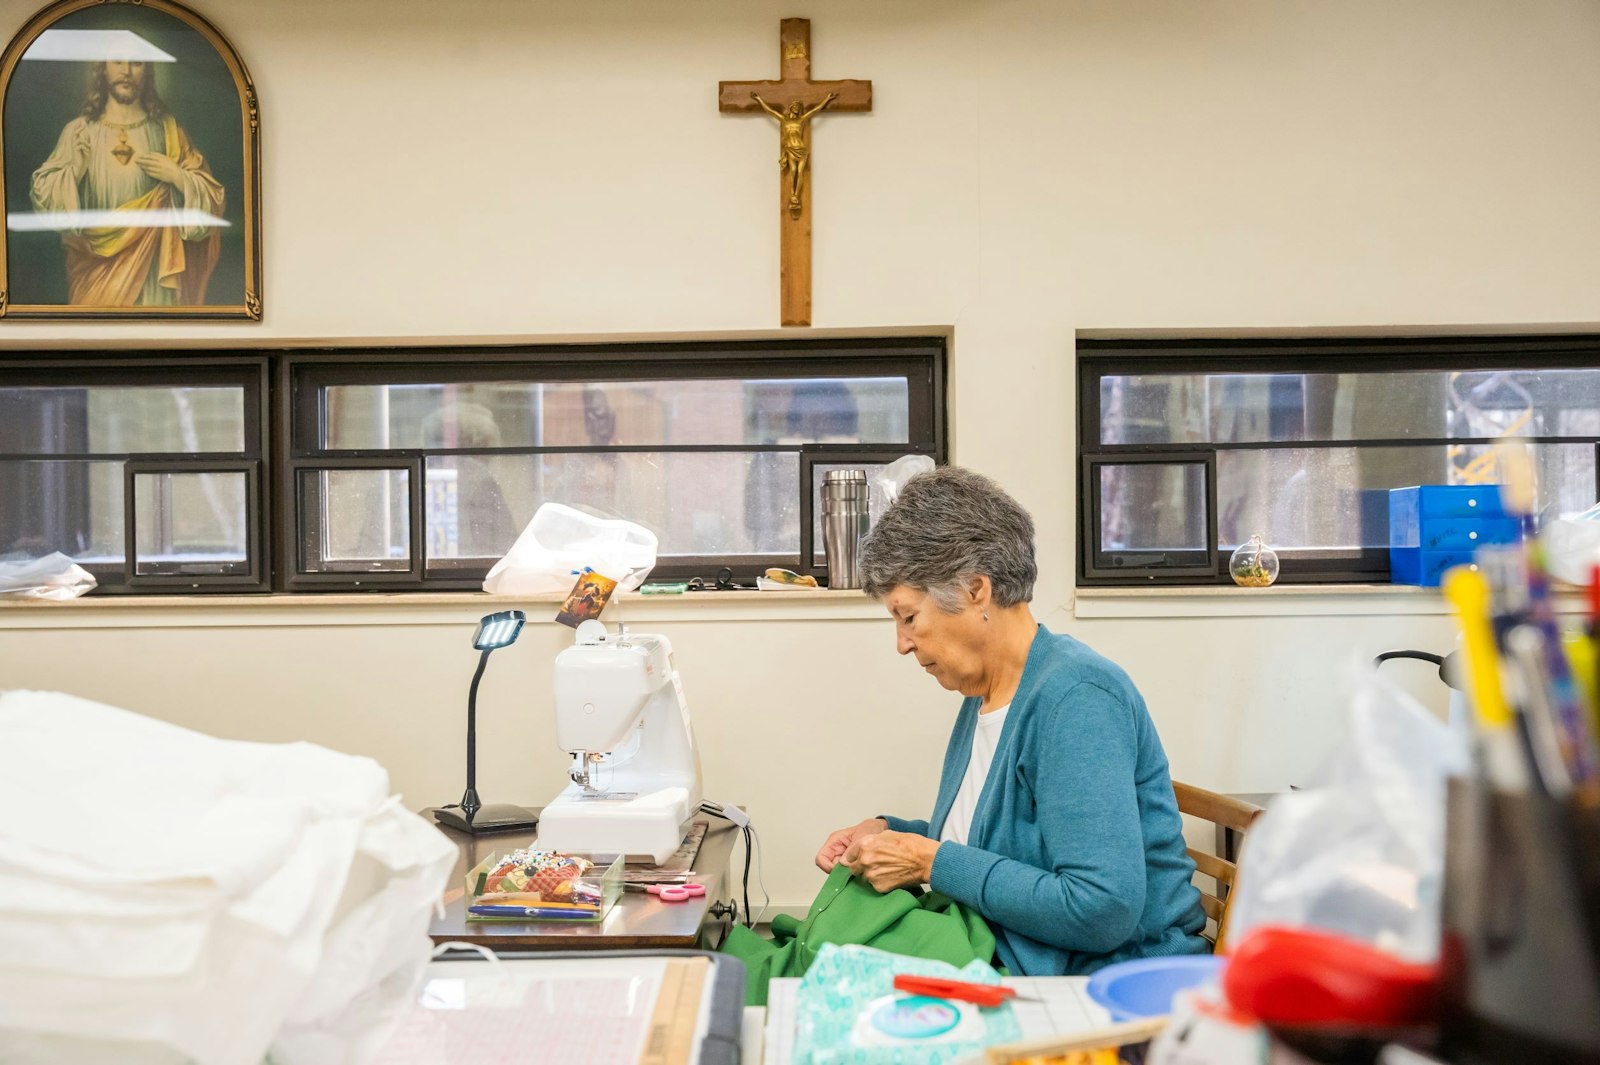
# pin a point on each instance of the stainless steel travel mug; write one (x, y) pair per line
(845, 520)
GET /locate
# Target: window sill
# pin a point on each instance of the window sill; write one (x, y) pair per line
(419, 608)
(1293, 600)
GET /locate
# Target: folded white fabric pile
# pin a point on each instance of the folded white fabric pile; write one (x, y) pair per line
(167, 896)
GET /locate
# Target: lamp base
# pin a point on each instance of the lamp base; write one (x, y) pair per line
(496, 817)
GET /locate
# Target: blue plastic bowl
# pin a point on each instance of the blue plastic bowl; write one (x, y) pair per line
(1144, 987)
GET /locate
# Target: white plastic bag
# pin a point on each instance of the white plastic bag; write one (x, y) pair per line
(1572, 545)
(560, 541)
(178, 897)
(1361, 852)
(887, 482)
(55, 576)
(1205, 1030)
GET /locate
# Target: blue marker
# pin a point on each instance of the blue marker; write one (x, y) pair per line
(542, 913)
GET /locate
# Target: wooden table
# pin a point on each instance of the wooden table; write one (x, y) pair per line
(637, 921)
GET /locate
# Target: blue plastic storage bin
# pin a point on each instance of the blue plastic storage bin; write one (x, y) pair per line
(1410, 505)
(1465, 534)
(1412, 565)
(1435, 526)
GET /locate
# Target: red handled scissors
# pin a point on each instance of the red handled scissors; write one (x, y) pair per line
(960, 990)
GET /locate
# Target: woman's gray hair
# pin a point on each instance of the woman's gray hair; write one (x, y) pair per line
(947, 526)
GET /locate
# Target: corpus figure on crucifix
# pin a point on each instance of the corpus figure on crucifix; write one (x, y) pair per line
(793, 148)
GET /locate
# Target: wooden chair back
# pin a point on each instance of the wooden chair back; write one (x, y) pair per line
(1226, 813)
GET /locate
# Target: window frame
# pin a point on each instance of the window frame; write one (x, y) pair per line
(281, 380)
(166, 369)
(287, 518)
(300, 375)
(1098, 358)
(1098, 571)
(254, 562)
(814, 455)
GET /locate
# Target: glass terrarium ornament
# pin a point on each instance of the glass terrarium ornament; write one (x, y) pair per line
(1253, 564)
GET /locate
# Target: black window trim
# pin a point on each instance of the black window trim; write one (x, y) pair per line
(252, 577)
(307, 374)
(1094, 568)
(164, 368)
(1106, 357)
(813, 455)
(302, 372)
(297, 578)
(272, 459)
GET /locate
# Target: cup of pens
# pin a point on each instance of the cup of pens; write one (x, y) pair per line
(1520, 953)
(1520, 949)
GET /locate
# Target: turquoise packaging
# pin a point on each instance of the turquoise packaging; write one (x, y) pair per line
(847, 1012)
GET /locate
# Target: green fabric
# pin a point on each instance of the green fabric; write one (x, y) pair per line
(848, 911)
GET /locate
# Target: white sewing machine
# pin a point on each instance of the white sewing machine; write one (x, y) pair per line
(635, 772)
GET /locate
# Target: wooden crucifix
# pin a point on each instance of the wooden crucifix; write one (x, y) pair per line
(793, 100)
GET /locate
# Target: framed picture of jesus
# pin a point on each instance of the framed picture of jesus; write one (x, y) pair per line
(130, 167)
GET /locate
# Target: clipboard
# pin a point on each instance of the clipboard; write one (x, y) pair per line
(678, 1007)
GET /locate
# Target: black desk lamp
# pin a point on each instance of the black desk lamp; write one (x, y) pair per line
(496, 630)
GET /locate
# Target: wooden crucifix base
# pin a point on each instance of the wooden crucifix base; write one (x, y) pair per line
(794, 255)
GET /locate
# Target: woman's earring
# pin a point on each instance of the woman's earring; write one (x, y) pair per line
(986, 615)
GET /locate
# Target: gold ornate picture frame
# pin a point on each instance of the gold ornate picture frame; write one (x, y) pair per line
(130, 167)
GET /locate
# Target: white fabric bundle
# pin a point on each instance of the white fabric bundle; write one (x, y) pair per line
(170, 896)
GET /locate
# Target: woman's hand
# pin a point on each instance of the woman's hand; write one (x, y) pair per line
(839, 842)
(888, 860)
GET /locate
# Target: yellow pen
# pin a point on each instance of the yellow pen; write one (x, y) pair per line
(1468, 591)
(1581, 653)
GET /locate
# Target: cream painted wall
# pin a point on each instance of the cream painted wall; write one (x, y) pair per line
(802, 712)
(510, 169)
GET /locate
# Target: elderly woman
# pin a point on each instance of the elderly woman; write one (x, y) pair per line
(1055, 818)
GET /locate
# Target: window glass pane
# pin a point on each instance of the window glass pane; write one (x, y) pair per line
(72, 507)
(1288, 407)
(819, 473)
(1152, 514)
(736, 504)
(716, 504)
(134, 419)
(191, 523)
(1565, 475)
(846, 410)
(616, 413)
(355, 521)
(1335, 500)
(477, 504)
(699, 503)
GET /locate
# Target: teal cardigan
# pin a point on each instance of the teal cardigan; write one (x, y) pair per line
(1076, 854)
